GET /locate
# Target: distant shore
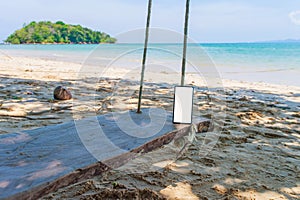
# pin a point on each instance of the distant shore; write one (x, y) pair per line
(55, 43)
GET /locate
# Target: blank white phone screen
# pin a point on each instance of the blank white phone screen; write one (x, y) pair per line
(183, 105)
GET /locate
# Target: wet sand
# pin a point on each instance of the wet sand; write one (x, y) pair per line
(252, 152)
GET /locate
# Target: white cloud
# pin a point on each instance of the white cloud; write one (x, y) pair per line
(295, 17)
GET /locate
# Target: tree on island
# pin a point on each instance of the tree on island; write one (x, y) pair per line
(46, 32)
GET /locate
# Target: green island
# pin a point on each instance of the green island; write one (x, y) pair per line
(46, 32)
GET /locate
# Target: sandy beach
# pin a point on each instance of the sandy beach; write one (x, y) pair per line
(254, 149)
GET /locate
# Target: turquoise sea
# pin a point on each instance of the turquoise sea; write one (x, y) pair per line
(277, 63)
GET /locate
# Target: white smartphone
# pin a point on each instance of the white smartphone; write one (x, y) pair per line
(183, 105)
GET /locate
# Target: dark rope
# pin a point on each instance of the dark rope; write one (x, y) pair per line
(186, 26)
(144, 56)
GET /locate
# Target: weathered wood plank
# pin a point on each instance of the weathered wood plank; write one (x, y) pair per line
(43, 160)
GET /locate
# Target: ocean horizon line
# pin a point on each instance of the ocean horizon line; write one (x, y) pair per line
(164, 43)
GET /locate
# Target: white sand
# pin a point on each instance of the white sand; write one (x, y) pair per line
(255, 156)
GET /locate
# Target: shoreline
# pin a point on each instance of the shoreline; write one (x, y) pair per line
(245, 67)
(74, 67)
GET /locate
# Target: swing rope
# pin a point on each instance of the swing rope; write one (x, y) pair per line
(186, 26)
(146, 47)
(144, 56)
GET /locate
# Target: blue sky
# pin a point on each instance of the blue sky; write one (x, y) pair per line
(210, 20)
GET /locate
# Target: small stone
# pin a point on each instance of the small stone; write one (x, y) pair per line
(29, 93)
(61, 93)
(244, 98)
